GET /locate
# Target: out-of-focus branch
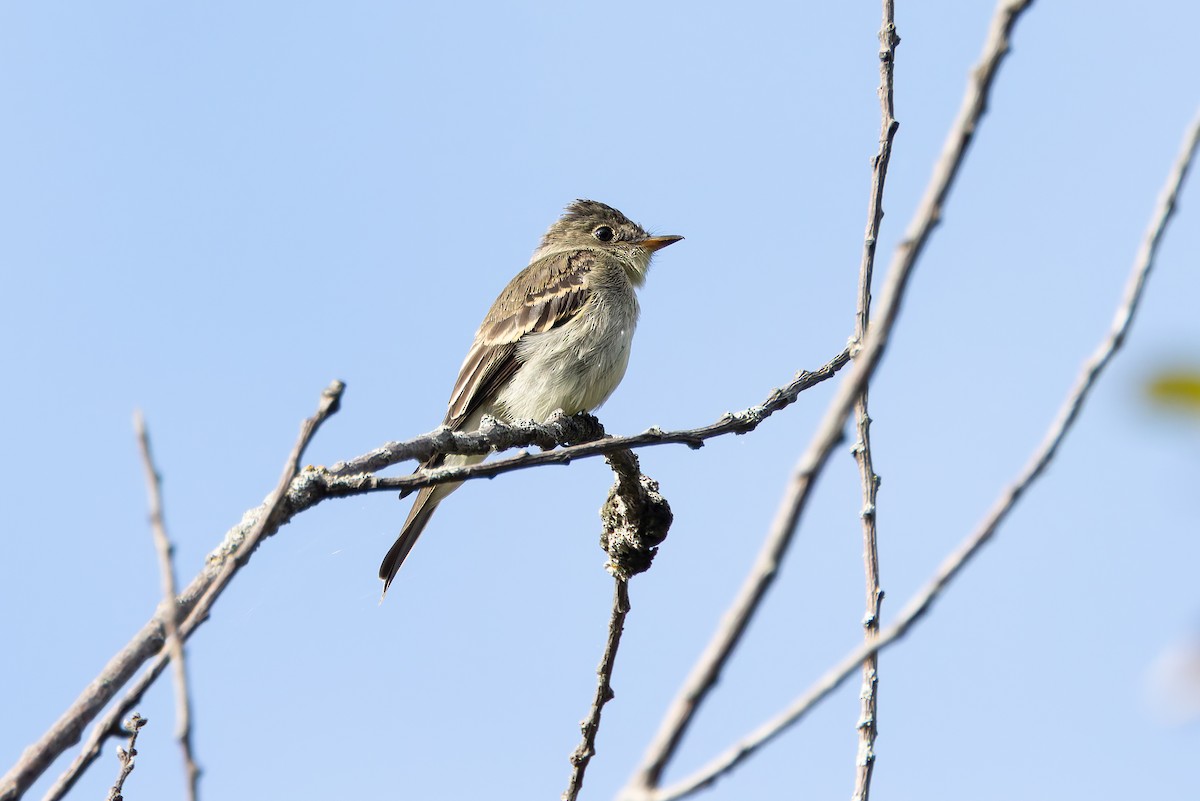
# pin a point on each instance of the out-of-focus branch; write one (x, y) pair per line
(920, 603)
(868, 707)
(192, 606)
(762, 574)
(166, 566)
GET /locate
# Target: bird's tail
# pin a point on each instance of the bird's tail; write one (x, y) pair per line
(418, 517)
(427, 501)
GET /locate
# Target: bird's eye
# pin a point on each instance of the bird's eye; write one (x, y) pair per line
(603, 233)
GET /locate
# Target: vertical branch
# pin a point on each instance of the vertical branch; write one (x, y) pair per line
(954, 563)
(728, 634)
(174, 643)
(868, 713)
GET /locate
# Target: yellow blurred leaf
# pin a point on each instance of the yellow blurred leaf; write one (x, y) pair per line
(1180, 389)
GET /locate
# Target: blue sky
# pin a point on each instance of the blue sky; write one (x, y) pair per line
(209, 211)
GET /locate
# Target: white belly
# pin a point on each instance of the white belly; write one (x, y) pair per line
(574, 367)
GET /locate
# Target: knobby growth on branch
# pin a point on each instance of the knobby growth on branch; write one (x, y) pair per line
(635, 520)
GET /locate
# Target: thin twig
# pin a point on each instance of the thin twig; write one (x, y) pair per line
(126, 757)
(591, 725)
(205, 588)
(166, 566)
(709, 665)
(312, 486)
(950, 567)
(868, 709)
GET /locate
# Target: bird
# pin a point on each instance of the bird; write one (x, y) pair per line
(556, 339)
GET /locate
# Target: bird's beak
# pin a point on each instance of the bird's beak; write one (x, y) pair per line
(653, 243)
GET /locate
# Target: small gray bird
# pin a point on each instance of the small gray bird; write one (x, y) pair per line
(558, 337)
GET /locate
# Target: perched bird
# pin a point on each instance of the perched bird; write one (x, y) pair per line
(558, 337)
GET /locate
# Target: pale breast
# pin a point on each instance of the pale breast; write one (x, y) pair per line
(576, 366)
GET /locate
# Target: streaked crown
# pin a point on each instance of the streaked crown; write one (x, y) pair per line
(589, 223)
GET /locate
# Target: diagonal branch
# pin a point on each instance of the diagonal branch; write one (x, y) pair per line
(166, 566)
(733, 625)
(868, 709)
(194, 603)
(953, 564)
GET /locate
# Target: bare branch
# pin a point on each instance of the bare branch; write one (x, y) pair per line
(166, 566)
(591, 725)
(733, 625)
(126, 757)
(194, 602)
(868, 710)
(349, 478)
(560, 429)
(920, 603)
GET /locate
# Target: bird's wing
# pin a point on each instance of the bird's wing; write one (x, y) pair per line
(543, 296)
